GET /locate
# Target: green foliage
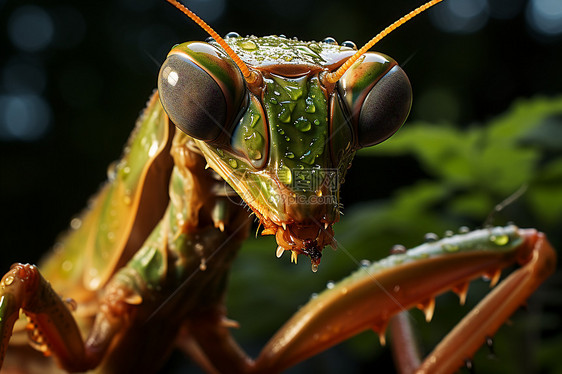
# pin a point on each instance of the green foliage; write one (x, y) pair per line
(482, 165)
(468, 171)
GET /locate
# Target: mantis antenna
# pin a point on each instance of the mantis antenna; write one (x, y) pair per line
(332, 77)
(336, 75)
(246, 72)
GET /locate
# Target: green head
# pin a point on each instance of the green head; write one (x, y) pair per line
(285, 140)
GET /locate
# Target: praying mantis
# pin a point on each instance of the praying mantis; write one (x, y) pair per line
(311, 249)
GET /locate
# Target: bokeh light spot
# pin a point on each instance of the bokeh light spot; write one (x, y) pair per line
(460, 16)
(23, 117)
(545, 16)
(30, 28)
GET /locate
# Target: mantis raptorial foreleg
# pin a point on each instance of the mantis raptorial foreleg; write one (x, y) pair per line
(52, 326)
(371, 296)
(539, 261)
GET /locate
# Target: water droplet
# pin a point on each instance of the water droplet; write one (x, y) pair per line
(248, 45)
(281, 131)
(295, 93)
(233, 163)
(71, 304)
(310, 107)
(203, 265)
(330, 40)
(349, 44)
(464, 229)
(365, 263)
(254, 143)
(302, 124)
(273, 100)
(9, 280)
(289, 155)
(500, 240)
(397, 249)
(469, 364)
(314, 267)
(449, 233)
(313, 296)
(75, 223)
(232, 34)
(430, 237)
(127, 200)
(67, 266)
(490, 344)
(316, 122)
(111, 173)
(284, 115)
(330, 285)
(315, 47)
(254, 154)
(254, 120)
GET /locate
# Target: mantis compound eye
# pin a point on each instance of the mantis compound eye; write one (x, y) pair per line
(201, 90)
(379, 97)
(385, 108)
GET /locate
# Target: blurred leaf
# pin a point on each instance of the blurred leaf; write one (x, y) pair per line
(474, 205)
(545, 196)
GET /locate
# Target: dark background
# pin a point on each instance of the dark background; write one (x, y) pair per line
(74, 77)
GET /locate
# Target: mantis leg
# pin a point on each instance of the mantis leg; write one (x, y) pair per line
(487, 317)
(209, 342)
(179, 273)
(371, 296)
(405, 349)
(54, 329)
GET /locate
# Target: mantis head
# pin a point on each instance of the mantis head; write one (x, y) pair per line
(280, 120)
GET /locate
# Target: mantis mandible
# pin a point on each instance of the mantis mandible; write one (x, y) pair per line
(273, 122)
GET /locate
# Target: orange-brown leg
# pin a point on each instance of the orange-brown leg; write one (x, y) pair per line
(486, 318)
(405, 349)
(370, 297)
(207, 340)
(54, 329)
